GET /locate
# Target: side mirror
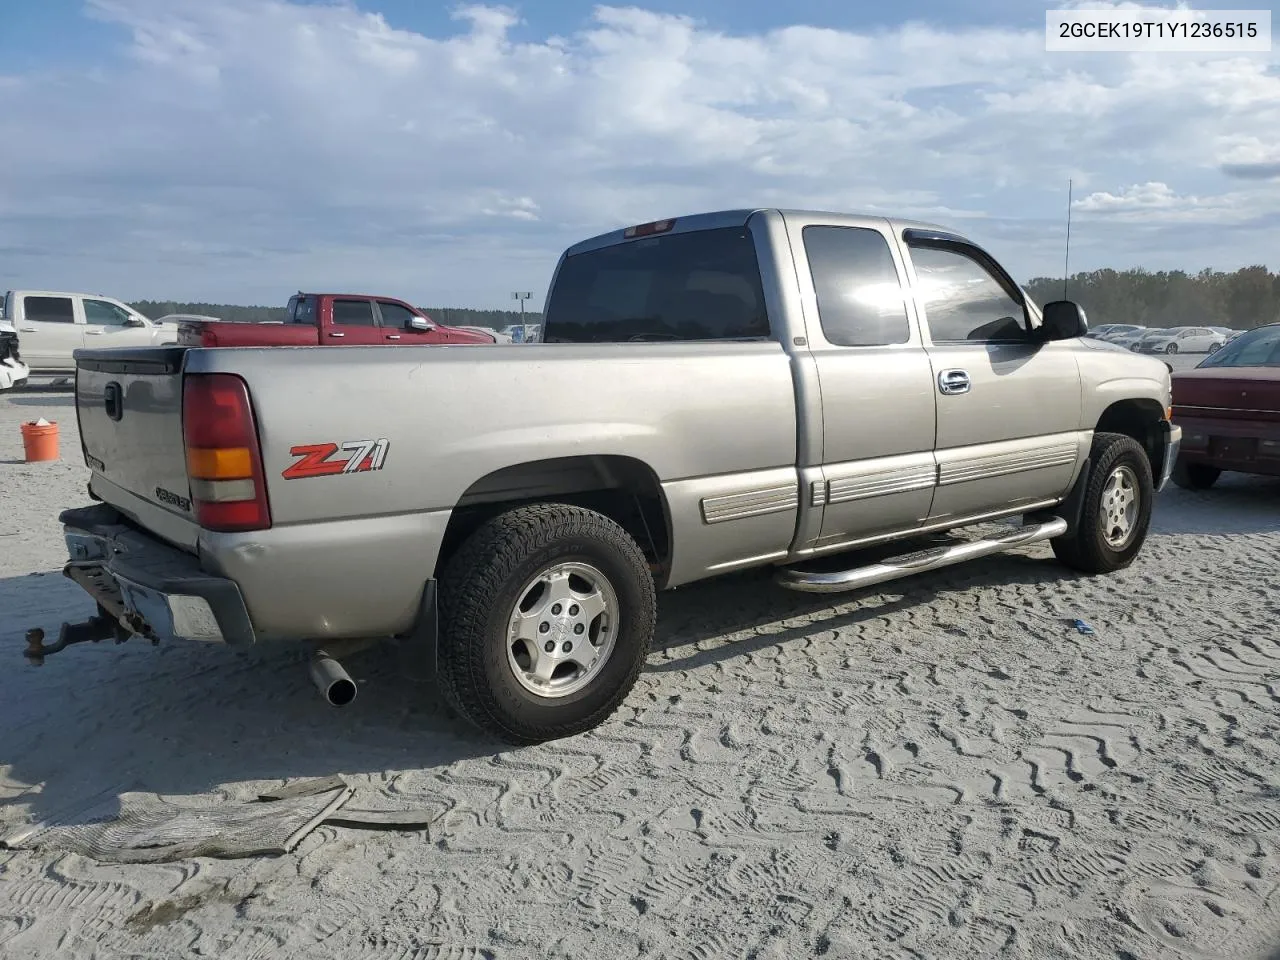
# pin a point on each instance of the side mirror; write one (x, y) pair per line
(135, 322)
(1064, 320)
(421, 323)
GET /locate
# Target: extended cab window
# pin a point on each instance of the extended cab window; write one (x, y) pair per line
(99, 311)
(859, 296)
(49, 309)
(353, 313)
(962, 299)
(701, 285)
(395, 315)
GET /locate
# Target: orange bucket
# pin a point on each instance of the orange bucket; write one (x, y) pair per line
(40, 441)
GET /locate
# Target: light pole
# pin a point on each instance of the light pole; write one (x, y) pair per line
(522, 296)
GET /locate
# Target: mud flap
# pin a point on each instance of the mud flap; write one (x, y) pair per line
(1070, 508)
(418, 650)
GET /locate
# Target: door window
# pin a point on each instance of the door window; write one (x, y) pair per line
(860, 301)
(395, 315)
(107, 314)
(353, 313)
(49, 309)
(963, 300)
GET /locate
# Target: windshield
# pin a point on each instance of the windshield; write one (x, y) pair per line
(1256, 348)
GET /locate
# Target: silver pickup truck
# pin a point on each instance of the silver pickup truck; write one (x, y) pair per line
(712, 393)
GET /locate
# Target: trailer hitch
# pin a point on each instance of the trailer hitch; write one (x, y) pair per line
(98, 627)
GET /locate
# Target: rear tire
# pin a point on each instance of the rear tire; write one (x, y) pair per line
(547, 612)
(1116, 513)
(1195, 476)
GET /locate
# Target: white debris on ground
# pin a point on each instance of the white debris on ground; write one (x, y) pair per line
(945, 767)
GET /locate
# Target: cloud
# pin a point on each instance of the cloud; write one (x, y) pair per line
(1249, 158)
(243, 148)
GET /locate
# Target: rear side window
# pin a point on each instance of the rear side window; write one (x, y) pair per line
(860, 302)
(353, 313)
(395, 315)
(49, 309)
(701, 285)
(302, 310)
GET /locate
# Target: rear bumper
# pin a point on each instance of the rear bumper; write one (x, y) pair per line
(1247, 446)
(153, 589)
(1172, 444)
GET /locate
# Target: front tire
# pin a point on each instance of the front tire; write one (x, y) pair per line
(547, 612)
(1116, 513)
(1171, 348)
(1195, 476)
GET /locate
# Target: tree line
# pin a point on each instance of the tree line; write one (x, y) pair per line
(453, 316)
(1241, 300)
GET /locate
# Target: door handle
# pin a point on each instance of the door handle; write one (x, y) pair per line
(26, 329)
(93, 333)
(952, 382)
(337, 334)
(393, 336)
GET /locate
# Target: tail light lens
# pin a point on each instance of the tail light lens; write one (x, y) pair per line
(224, 459)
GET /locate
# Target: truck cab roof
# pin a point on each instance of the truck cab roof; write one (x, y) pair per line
(733, 218)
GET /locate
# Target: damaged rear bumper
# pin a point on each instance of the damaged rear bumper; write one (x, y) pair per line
(152, 589)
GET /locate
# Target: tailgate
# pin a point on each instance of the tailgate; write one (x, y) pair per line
(129, 405)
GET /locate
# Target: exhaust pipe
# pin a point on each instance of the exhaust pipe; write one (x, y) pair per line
(333, 682)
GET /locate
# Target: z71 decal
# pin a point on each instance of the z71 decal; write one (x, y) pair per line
(318, 460)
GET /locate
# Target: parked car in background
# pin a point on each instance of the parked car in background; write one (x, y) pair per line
(1229, 410)
(51, 325)
(1118, 331)
(1227, 332)
(1129, 340)
(176, 318)
(523, 332)
(1182, 340)
(714, 392)
(1101, 330)
(13, 370)
(331, 319)
(498, 335)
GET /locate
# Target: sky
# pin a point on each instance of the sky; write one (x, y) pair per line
(236, 151)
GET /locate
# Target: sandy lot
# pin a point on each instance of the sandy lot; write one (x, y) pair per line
(939, 768)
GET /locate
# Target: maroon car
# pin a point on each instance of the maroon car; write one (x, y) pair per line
(1229, 411)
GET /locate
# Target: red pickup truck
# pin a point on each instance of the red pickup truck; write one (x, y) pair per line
(332, 319)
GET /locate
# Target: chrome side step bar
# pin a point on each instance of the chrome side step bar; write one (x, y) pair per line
(920, 562)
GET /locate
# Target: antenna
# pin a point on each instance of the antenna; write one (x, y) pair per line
(1066, 257)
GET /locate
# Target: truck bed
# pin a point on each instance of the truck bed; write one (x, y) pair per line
(715, 423)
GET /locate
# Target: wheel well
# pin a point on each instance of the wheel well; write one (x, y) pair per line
(623, 489)
(1137, 419)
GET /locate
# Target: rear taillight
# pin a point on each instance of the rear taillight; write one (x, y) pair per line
(224, 460)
